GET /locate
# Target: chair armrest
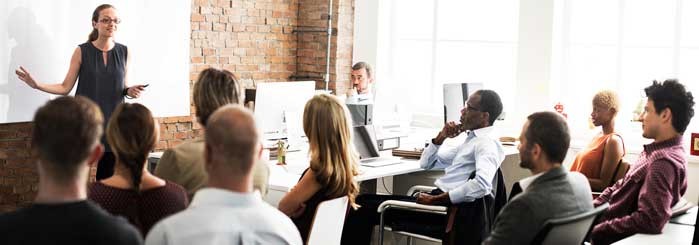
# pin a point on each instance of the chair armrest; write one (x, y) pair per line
(422, 188)
(411, 206)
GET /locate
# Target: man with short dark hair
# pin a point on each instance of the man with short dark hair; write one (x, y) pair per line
(227, 211)
(641, 202)
(66, 138)
(551, 192)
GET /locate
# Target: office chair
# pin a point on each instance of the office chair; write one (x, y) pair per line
(569, 230)
(329, 221)
(619, 172)
(455, 229)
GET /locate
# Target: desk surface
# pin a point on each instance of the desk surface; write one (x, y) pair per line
(672, 234)
(283, 178)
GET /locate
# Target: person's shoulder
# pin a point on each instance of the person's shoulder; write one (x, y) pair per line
(273, 215)
(120, 45)
(113, 228)
(10, 220)
(273, 219)
(188, 147)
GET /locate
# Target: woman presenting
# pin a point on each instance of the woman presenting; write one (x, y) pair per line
(101, 65)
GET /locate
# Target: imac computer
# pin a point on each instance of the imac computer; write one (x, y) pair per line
(279, 108)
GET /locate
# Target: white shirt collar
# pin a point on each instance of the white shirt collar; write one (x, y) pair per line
(214, 196)
(486, 131)
(524, 183)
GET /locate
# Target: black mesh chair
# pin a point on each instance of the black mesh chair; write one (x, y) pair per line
(569, 230)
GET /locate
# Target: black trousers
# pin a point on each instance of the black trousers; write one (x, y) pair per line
(359, 224)
(105, 167)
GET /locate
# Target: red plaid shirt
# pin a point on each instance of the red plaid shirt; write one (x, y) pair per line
(641, 202)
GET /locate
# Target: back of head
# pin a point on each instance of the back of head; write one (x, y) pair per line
(65, 131)
(132, 135)
(490, 103)
(550, 131)
(672, 94)
(215, 88)
(232, 138)
(333, 158)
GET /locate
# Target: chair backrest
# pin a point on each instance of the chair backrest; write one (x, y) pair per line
(569, 230)
(620, 171)
(329, 221)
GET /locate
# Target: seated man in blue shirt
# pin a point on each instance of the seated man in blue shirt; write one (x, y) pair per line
(470, 170)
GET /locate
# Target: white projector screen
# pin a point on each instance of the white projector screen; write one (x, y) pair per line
(41, 36)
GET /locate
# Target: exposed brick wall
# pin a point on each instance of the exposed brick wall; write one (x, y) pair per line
(312, 48)
(253, 38)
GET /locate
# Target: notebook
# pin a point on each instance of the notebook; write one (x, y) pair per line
(365, 142)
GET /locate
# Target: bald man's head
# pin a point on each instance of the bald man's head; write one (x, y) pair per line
(232, 140)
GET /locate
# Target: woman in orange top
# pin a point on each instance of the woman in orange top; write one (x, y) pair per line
(601, 157)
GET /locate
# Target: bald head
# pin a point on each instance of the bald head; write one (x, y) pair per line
(232, 140)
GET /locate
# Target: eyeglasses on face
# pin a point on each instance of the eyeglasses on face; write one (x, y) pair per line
(471, 108)
(106, 21)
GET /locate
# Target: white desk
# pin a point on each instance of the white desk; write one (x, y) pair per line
(672, 234)
(283, 178)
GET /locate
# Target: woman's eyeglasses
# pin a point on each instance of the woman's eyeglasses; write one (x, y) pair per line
(106, 21)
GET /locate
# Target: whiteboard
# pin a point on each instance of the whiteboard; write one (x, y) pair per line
(41, 36)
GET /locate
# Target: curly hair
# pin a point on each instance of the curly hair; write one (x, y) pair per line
(607, 98)
(672, 94)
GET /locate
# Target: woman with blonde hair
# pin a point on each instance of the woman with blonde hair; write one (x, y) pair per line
(333, 162)
(601, 157)
(133, 192)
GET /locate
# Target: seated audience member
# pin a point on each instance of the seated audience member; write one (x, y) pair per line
(362, 82)
(469, 173)
(551, 192)
(133, 192)
(642, 201)
(66, 139)
(227, 211)
(333, 162)
(601, 157)
(184, 164)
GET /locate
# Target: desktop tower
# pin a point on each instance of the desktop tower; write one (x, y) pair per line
(361, 114)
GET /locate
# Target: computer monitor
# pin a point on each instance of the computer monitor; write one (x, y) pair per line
(361, 114)
(455, 96)
(279, 108)
(365, 141)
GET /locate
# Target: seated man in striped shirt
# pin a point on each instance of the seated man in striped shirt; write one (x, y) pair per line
(642, 201)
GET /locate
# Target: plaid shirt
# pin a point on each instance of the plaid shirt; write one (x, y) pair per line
(641, 202)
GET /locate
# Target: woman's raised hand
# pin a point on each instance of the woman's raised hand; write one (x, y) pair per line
(24, 75)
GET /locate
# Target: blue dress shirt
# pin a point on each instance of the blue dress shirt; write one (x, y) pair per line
(480, 152)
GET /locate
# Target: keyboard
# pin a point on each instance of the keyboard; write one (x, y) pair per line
(379, 161)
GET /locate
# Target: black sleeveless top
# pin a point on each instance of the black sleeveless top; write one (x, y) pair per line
(303, 222)
(102, 83)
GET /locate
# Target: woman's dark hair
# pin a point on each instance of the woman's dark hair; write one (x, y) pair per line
(95, 18)
(550, 131)
(672, 94)
(131, 135)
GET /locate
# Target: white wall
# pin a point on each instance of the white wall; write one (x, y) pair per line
(41, 36)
